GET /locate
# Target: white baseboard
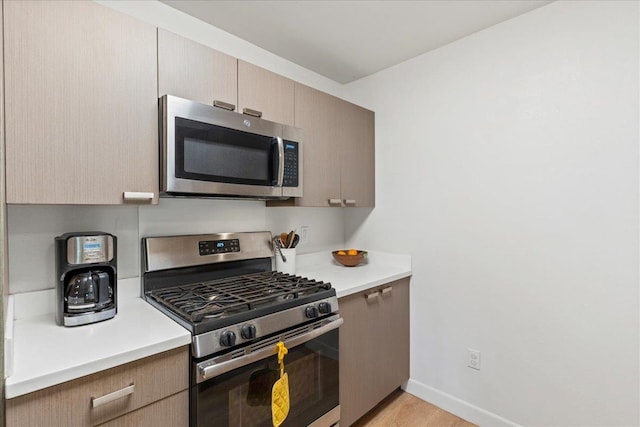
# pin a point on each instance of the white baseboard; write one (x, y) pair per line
(456, 406)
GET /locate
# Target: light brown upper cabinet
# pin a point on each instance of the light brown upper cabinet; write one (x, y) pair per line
(81, 104)
(317, 114)
(356, 133)
(268, 93)
(339, 145)
(193, 71)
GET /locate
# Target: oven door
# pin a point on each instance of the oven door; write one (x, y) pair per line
(236, 391)
(210, 151)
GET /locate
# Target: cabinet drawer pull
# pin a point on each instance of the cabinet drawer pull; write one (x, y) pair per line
(99, 401)
(224, 105)
(334, 202)
(137, 196)
(250, 112)
(372, 296)
(349, 202)
(387, 290)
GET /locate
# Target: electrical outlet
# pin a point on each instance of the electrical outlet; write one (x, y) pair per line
(474, 359)
(304, 232)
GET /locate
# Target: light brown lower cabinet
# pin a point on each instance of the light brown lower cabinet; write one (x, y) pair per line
(374, 347)
(170, 411)
(159, 397)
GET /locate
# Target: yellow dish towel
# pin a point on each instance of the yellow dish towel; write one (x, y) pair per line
(280, 390)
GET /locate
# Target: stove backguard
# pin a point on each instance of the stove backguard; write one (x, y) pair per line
(175, 252)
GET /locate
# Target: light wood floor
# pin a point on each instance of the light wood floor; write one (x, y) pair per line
(402, 409)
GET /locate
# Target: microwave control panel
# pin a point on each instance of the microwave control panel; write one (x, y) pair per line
(290, 164)
(212, 247)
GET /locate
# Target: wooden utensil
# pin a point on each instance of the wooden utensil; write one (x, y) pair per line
(289, 241)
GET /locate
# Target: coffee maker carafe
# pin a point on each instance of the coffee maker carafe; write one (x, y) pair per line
(86, 277)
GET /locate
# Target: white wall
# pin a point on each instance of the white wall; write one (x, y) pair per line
(507, 165)
(32, 229)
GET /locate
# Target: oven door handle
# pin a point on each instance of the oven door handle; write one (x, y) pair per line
(212, 368)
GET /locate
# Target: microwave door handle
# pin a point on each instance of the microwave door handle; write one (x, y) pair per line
(280, 162)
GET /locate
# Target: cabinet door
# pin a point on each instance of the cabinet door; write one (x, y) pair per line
(359, 347)
(73, 403)
(392, 363)
(81, 103)
(192, 71)
(374, 347)
(317, 114)
(357, 138)
(267, 92)
(172, 411)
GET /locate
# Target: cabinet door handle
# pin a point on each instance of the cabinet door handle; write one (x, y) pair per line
(224, 105)
(387, 290)
(250, 112)
(372, 296)
(333, 202)
(99, 401)
(137, 196)
(350, 202)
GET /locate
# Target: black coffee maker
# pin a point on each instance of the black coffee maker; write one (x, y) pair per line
(86, 277)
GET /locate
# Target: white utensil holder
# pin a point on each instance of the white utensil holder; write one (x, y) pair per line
(289, 266)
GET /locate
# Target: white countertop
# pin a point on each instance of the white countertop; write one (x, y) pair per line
(377, 269)
(45, 354)
(42, 354)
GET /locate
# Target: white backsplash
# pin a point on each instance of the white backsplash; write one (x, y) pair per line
(32, 229)
(195, 216)
(325, 226)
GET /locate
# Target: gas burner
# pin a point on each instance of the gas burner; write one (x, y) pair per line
(224, 297)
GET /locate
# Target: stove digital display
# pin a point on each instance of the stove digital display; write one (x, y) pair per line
(212, 247)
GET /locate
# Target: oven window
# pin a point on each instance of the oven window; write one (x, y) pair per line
(214, 153)
(242, 398)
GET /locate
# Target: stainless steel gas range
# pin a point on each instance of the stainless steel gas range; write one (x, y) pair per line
(221, 288)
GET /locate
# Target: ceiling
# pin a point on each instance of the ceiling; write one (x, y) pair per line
(347, 40)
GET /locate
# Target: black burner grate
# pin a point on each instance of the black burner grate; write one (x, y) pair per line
(226, 297)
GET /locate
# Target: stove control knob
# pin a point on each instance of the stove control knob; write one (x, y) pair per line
(324, 307)
(311, 312)
(248, 331)
(228, 339)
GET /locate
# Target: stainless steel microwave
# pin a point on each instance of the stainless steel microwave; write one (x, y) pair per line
(206, 151)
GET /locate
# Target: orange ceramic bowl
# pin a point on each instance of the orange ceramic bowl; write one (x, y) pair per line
(347, 260)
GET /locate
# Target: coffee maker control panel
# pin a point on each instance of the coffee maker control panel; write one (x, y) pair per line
(88, 249)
